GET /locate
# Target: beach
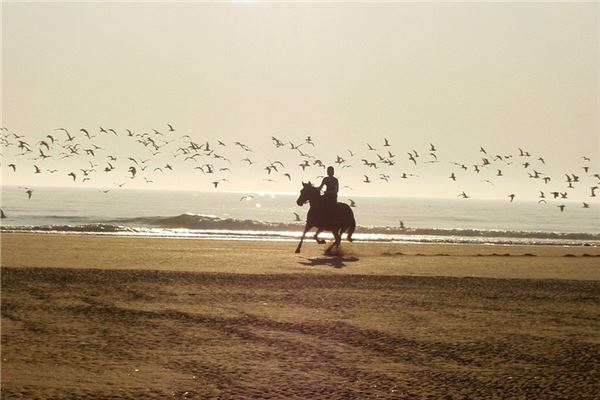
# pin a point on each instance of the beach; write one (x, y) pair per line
(91, 316)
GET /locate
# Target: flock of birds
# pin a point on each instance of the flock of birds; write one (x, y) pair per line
(165, 150)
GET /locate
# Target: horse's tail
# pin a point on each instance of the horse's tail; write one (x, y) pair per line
(351, 228)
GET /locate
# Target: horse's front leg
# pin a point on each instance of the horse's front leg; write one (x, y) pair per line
(306, 229)
(320, 241)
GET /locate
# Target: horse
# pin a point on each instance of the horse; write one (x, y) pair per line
(341, 221)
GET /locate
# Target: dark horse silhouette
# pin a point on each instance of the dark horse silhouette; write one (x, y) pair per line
(319, 216)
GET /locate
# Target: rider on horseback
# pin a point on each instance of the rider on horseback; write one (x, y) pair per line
(330, 195)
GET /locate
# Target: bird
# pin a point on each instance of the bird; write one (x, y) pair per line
(453, 177)
(297, 217)
(366, 179)
(29, 193)
(512, 197)
(562, 207)
(412, 158)
(72, 174)
(463, 195)
(247, 197)
(352, 203)
(586, 205)
(13, 166)
(386, 143)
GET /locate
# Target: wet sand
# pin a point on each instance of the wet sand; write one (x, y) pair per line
(105, 317)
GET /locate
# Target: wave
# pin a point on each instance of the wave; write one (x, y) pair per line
(199, 225)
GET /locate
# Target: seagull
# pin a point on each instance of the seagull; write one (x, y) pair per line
(593, 188)
(29, 193)
(512, 197)
(13, 166)
(387, 143)
(72, 174)
(412, 158)
(352, 203)
(453, 177)
(402, 225)
(463, 195)
(297, 217)
(586, 205)
(247, 197)
(562, 207)
(216, 183)
(366, 179)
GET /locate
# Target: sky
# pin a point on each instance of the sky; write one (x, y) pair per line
(460, 76)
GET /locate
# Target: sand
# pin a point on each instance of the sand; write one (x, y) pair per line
(112, 317)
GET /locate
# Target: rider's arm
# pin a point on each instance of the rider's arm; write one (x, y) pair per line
(322, 184)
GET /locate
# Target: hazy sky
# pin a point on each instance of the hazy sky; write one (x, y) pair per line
(460, 76)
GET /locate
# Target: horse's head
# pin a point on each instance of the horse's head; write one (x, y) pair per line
(307, 193)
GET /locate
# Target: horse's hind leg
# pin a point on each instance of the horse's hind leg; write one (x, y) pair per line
(336, 242)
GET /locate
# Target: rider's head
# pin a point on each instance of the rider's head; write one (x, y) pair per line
(330, 171)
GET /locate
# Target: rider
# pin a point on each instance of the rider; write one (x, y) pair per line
(332, 184)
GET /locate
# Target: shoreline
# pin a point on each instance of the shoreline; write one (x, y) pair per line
(268, 257)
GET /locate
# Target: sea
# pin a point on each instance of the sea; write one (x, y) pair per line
(270, 216)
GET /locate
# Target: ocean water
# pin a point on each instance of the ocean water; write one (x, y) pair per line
(271, 217)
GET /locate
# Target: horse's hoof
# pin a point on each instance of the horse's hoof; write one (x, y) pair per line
(321, 241)
(350, 240)
(297, 251)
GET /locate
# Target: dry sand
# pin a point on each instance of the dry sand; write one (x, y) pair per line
(112, 317)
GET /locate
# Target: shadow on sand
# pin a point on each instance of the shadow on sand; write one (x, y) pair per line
(331, 261)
